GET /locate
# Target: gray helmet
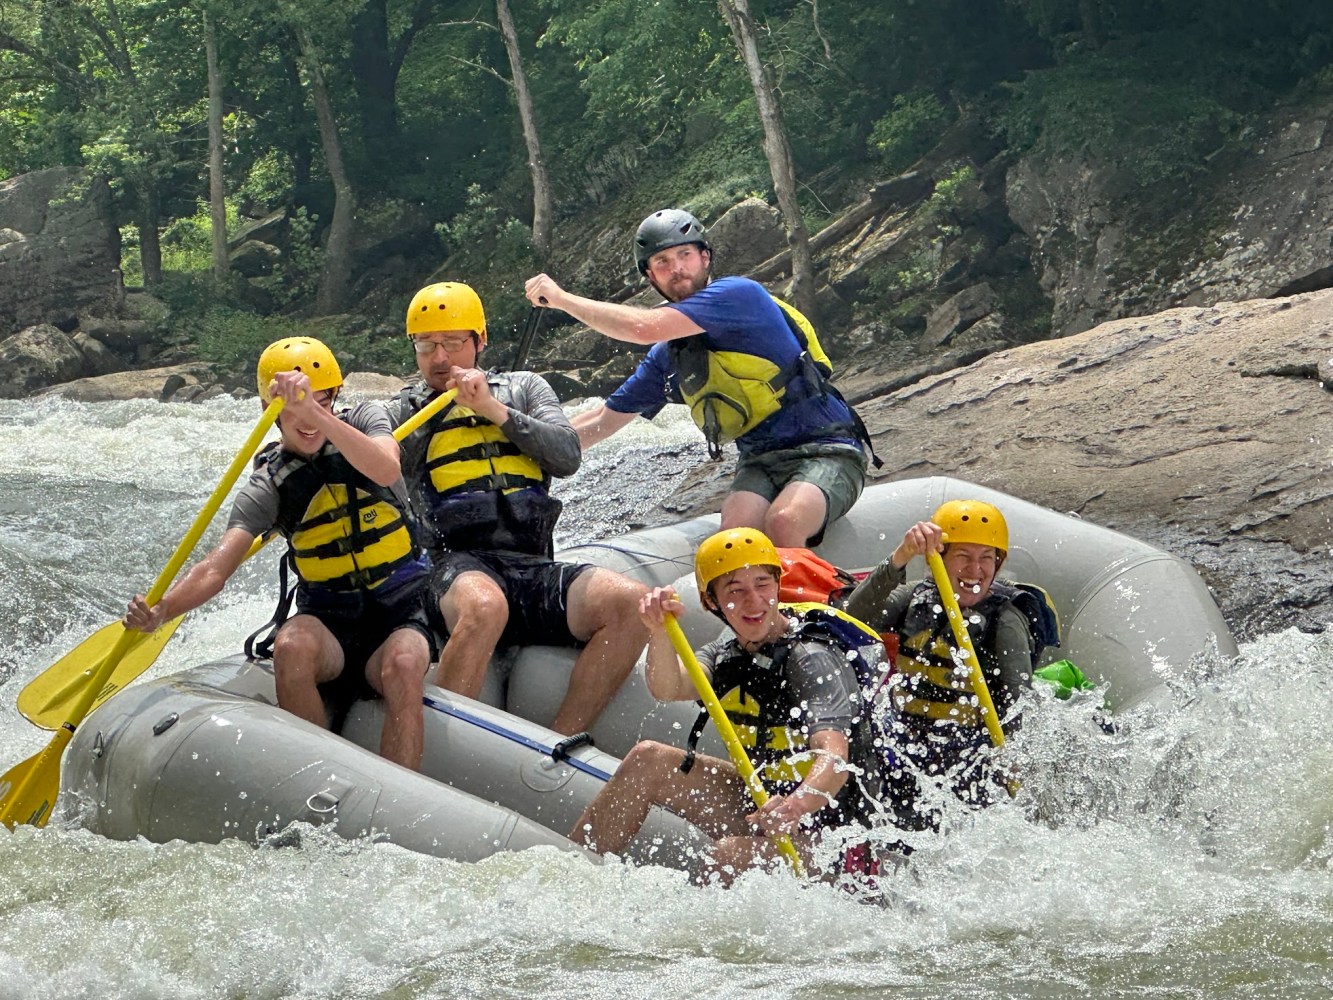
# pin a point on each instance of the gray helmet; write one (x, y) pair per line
(665, 229)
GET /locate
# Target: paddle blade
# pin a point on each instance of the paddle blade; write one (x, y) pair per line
(28, 790)
(49, 697)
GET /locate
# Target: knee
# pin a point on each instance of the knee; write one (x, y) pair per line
(402, 672)
(649, 758)
(480, 609)
(294, 652)
(614, 600)
(786, 526)
(727, 858)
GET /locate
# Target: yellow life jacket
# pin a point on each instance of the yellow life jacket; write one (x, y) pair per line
(930, 684)
(345, 532)
(468, 453)
(731, 392)
(478, 490)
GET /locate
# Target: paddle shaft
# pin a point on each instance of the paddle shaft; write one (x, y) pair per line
(964, 641)
(28, 790)
(46, 699)
(735, 748)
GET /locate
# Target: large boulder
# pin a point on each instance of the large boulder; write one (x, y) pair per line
(37, 357)
(746, 235)
(150, 383)
(59, 248)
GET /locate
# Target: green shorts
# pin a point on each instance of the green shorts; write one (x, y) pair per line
(839, 470)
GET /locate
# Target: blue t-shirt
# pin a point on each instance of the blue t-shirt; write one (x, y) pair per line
(737, 314)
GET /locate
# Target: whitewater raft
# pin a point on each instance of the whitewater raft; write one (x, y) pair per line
(206, 755)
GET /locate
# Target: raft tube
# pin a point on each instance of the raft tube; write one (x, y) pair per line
(1131, 615)
(206, 754)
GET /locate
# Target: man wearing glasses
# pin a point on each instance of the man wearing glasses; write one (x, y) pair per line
(479, 472)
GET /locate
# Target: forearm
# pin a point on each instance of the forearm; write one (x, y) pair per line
(206, 578)
(376, 458)
(666, 677)
(538, 426)
(875, 599)
(828, 770)
(598, 424)
(820, 787)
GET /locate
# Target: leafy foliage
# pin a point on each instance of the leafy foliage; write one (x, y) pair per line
(907, 131)
(641, 105)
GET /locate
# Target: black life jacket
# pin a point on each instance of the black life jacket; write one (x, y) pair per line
(929, 683)
(754, 693)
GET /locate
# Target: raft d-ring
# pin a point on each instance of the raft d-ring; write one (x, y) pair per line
(165, 723)
(323, 802)
(561, 751)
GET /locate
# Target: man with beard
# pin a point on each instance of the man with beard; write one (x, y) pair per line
(751, 370)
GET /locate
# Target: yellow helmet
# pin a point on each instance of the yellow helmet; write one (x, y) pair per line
(446, 305)
(730, 550)
(298, 354)
(973, 522)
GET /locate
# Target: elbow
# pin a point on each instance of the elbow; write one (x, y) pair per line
(388, 475)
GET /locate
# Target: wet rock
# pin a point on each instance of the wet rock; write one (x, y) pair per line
(59, 248)
(36, 357)
(957, 314)
(147, 383)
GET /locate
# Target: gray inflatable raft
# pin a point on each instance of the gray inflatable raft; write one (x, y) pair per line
(206, 754)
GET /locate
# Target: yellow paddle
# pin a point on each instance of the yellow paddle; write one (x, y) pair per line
(964, 640)
(28, 790)
(48, 697)
(733, 743)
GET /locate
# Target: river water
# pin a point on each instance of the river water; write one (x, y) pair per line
(1188, 855)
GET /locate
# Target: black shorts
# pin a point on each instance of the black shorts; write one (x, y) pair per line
(360, 625)
(536, 588)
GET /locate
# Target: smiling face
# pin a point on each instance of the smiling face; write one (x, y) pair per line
(437, 353)
(971, 570)
(678, 272)
(748, 600)
(299, 435)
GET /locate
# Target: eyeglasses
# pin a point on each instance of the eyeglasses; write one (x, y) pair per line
(451, 344)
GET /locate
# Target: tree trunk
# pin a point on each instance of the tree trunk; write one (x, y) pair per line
(150, 247)
(373, 76)
(778, 152)
(216, 200)
(335, 279)
(541, 185)
(1090, 15)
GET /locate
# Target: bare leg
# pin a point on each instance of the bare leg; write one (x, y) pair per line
(603, 613)
(743, 509)
(396, 671)
(711, 796)
(305, 654)
(475, 612)
(733, 855)
(796, 515)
